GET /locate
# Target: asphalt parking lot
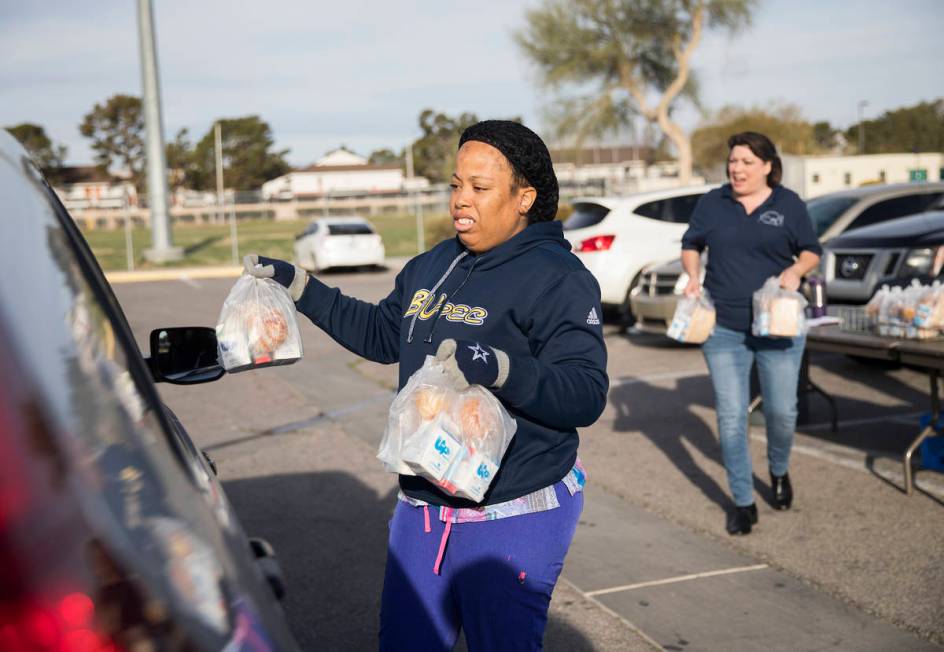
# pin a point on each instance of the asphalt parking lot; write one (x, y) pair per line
(855, 565)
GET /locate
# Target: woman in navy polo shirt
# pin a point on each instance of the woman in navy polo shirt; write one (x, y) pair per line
(754, 228)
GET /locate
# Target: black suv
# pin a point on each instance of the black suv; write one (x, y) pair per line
(859, 261)
(114, 532)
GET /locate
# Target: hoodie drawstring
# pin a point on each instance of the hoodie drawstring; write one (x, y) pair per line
(426, 527)
(432, 331)
(432, 294)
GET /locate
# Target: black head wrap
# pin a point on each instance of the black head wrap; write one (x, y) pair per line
(529, 160)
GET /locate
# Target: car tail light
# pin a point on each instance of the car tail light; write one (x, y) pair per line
(68, 625)
(596, 243)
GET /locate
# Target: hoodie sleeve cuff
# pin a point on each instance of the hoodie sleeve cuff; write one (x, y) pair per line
(504, 366)
(520, 381)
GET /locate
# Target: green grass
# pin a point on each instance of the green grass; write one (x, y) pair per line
(210, 244)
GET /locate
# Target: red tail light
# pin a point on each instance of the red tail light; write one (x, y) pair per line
(68, 626)
(597, 243)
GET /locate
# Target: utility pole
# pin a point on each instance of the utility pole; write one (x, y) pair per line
(162, 245)
(861, 105)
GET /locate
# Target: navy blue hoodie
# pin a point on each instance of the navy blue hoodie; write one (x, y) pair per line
(531, 298)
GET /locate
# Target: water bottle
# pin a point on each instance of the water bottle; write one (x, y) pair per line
(817, 296)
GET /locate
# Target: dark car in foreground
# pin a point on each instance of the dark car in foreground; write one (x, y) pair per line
(654, 298)
(114, 531)
(858, 262)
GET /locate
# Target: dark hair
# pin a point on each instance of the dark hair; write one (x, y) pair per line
(530, 162)
(763, 148)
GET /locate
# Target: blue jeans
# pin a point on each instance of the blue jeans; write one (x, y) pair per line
(730, 355)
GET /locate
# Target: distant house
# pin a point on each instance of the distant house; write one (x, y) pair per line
(339, 172)
(810, 176)
(89, 186)
(613, 169)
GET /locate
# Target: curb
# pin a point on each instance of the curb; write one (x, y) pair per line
(174, 274)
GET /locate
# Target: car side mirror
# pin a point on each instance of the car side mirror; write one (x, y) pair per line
(185, 355)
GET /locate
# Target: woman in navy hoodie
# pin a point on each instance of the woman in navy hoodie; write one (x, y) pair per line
(505, 305)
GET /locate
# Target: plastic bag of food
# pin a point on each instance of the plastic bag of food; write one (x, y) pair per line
(258, 326)
(778, 312)
(694, 319)
(453, 438)
(930, 308)
(874, 307)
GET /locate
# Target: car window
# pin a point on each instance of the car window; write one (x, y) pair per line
(895, 207)
(311, 228)
(585, 214)
(653, 209)
(680, 208)
(104, 337)
(349, 229)
(824, 211)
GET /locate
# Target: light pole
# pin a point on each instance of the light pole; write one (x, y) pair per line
(162, 243)
(859, 109)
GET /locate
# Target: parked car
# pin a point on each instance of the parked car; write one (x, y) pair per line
(616, 237)
(653, 301)
(858, 262)
(338, 242)
(114, 531)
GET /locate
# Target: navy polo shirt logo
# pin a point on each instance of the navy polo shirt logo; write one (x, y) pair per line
(771, 218)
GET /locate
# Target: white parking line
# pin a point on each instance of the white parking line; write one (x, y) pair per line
(641, 634)
(673, 580)
(858, 459)
(673, 375)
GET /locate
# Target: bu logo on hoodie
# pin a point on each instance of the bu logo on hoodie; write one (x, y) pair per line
(456, 312)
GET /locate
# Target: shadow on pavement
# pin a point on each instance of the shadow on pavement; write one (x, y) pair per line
(329, 531)
(202, 244)
(663, 415)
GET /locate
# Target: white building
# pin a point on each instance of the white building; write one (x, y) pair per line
(339, 172)
(89, 186)
(810, 176)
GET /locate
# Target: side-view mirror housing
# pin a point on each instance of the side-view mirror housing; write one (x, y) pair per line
(184, 355)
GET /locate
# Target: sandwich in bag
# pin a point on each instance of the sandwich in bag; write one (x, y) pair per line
(454, 438)
(258, 326)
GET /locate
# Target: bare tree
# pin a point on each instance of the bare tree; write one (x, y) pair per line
(638, 54)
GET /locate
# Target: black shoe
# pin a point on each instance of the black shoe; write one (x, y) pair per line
(782, 490)
(741, 519)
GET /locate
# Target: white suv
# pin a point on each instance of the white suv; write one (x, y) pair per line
(616, 237)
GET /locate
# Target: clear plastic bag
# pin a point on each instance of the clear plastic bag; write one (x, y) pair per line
(694, 319)
(453, 438)
(930, 309)
(778, 312)
(258, 326)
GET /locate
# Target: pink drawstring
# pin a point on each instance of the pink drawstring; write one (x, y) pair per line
(426, 527)
(442, 547)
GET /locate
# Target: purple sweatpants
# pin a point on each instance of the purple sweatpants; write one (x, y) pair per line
(495, 578)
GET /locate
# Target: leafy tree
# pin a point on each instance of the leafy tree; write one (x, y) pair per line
(783, 124)
(825, 135)
(434, 153)
(180, 164)
(116, 129)
(33, 138)
(637, 52)
(248, 157)
(384, 157)
(918, 128)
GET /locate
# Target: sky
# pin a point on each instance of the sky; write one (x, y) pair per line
(359, 73)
